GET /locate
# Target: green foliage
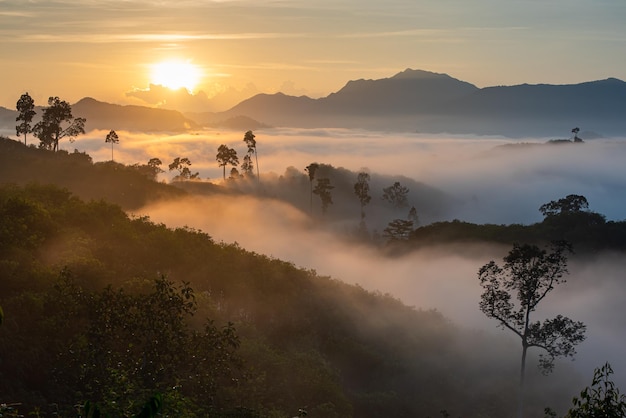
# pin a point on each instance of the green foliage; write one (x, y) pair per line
(128, 186)
(565, 221)
(150, 409)
(601, 400)
(91, 332)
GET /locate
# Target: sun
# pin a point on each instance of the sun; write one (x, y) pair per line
(175, 75)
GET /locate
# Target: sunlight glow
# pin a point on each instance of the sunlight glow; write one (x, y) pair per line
(175, 75)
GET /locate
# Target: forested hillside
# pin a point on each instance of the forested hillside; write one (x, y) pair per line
(103, 307)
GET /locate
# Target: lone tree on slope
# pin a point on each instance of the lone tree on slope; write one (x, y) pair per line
(113, 139)
(530, 273)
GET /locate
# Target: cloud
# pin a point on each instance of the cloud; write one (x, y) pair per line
(222, 97)
(488, 183)
(441, 278)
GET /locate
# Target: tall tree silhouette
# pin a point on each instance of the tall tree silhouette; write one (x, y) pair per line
(26, 108)
(226, 156)
(184, 172)
(57, 123)
(530, 273)
(249, 139)
(362, 191)
(113, 139)
(311, 169)
(322, 189)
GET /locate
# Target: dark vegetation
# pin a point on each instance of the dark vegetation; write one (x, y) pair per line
(128, 186)
(104, 307)
(587, 231)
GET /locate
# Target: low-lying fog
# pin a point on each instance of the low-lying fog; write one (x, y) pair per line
(485, 183)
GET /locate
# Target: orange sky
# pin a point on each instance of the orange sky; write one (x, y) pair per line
(105, 49)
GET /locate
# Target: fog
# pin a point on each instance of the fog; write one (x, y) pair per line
(487, 183)
(476, 180)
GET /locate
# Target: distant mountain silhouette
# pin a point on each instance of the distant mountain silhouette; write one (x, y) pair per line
(398, 100)
(422, 101)
(408, 92)
(412, 100)
(101, 115)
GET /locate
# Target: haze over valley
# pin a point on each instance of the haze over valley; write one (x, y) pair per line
(269, 209)
(483, 180)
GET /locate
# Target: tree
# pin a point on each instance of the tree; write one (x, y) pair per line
(398, 230)
(396, 195)
(234, 174)
(155, 167)
(322, 189)
(572, 203)
(113, 139)
(248, 138)
(26, 106)
(247, 166)
(530, 273)
(226, 156)
(311, 169)
(362, 191)
(575, 132)
(50, 130)
(182, 165)
(133, 343)
(413, 216)
(601, 400)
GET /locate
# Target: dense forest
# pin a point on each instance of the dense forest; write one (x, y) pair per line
(112, 309)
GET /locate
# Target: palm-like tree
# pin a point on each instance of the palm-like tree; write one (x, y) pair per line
(113, 139)
(248, 138)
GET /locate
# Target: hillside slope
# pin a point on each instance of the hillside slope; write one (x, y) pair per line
(73, 271)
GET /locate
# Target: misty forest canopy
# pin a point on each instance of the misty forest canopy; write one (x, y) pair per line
(238, 333)
(273, 338)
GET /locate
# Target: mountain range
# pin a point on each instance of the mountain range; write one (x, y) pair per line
(410, 101)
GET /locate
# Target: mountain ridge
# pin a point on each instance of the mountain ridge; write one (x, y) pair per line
(409, 101)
